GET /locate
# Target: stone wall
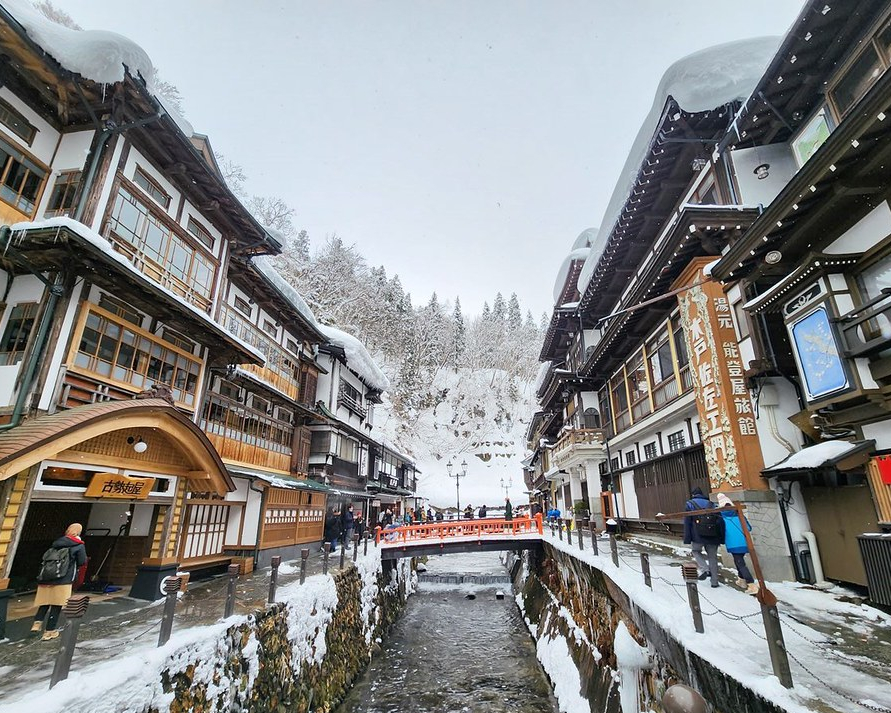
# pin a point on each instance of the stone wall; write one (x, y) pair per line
(564, 598)
(301, 654)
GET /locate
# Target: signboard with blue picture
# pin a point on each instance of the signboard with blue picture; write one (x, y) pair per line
(818, 355)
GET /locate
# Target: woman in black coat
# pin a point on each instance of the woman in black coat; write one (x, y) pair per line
(53, 593)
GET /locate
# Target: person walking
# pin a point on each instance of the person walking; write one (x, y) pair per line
(332, 528)
(347, 525)
(508, 510)
(387, 518)
(468, 512)
(735, 542)
(481, 513)
(55, 581)
(704, 531)
(439, 516)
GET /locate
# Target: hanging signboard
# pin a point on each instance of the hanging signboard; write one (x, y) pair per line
(119, 487)
(726, 417)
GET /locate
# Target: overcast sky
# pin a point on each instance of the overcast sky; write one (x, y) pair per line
(462, 144)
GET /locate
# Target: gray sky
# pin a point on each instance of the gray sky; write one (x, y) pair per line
(462, 144)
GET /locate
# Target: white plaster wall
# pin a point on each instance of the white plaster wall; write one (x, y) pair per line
(880, 432)
(629, 495)
(755, 191)
(25, 288)
(864, 234)
(323, 386)
(232, 526)
(44, 144)
(190, 210)
(251, 519)
(776, 434)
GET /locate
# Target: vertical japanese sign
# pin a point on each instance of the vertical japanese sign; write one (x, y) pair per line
(726, 416)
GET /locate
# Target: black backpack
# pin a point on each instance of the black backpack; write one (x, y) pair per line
(707, 525)
(54, 564)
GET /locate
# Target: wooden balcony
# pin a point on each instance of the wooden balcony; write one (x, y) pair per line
(255, 454)
(351, 404)
(577, 446)
(280, 370)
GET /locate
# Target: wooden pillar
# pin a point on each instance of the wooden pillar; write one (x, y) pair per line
(173, 521)
(729, 435)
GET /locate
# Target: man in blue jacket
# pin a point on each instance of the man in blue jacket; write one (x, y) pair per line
(705, 531)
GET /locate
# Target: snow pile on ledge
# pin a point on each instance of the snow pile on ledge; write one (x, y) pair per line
(563, 272)
(542, 375)
(357, 356)
(283, 287)
(815, 456)
(704, 80)
(94, 54)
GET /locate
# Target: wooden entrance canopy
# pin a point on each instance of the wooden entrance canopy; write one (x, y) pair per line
(98, 433)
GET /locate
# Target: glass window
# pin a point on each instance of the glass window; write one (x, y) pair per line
(200, 232)
(61, 200)
(20, 179)
(630, 458)
(16, 123)
(18, 330)
(269, 327)
(676, 441)
(650, 450)
(875, 278)
(243, 306)
(858, 78)
(812, 136)
(141, 179)
(121, 309)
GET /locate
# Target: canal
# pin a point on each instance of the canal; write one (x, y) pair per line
(456, 648)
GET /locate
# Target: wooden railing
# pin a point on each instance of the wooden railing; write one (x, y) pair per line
(479, 529)
(344, 399)
(580, 437)
(281, 367)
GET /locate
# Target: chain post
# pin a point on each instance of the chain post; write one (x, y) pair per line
(614, 548)
(581, 543)
(343, 549)
(304, 556)
(690, 573)
(645, 568)
(326, 552)
(594, 538)
(74, 610)
(355, 547)
(365, 544)
(273, 578)
(779, 660)
(232, 571)
(560, 529)
(171, 588)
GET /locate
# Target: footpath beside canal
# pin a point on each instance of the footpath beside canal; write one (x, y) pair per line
(622, 634)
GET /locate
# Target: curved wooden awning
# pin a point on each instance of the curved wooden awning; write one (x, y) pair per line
(99, 432)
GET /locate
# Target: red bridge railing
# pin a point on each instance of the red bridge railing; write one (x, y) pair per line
(479, 529)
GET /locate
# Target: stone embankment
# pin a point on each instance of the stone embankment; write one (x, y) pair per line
(300, 654)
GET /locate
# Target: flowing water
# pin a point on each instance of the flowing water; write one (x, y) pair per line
(450, 653)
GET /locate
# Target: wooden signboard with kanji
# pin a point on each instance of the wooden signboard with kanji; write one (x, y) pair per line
(726, 416)
(119, 487)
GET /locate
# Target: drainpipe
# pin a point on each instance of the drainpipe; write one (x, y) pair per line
(821, 582)
(56, 291)
(781, 501)
(260, 520)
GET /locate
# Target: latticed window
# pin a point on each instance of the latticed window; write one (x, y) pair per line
(650, 450)
(117, 351)
(676, 441)
(61, 200)
(630, 458)
(20, 179)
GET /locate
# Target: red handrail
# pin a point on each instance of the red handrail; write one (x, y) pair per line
(460, 528)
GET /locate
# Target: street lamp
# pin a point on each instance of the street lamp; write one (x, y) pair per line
(457, 475)
(507, 487)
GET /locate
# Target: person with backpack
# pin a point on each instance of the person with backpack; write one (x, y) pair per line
(347, 525)
(704, 531)
(58, 570)
(735, 542)
(482, 512)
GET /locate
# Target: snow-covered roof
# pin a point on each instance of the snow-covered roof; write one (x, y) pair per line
(704, 80)
(822, 454)
(357, 356)
(94, 54)
(283, 287)
(542, 375)
(103, 244)
(563, 272)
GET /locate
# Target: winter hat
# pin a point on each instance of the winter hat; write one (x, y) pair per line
(723, 500)
(697, 491)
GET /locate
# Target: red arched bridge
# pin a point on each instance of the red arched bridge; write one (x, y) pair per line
(485, 535)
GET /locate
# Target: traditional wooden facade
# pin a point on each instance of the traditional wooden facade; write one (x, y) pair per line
(809, 278)
(123, 257)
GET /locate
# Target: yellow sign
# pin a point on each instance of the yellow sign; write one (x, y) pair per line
(123, 487)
